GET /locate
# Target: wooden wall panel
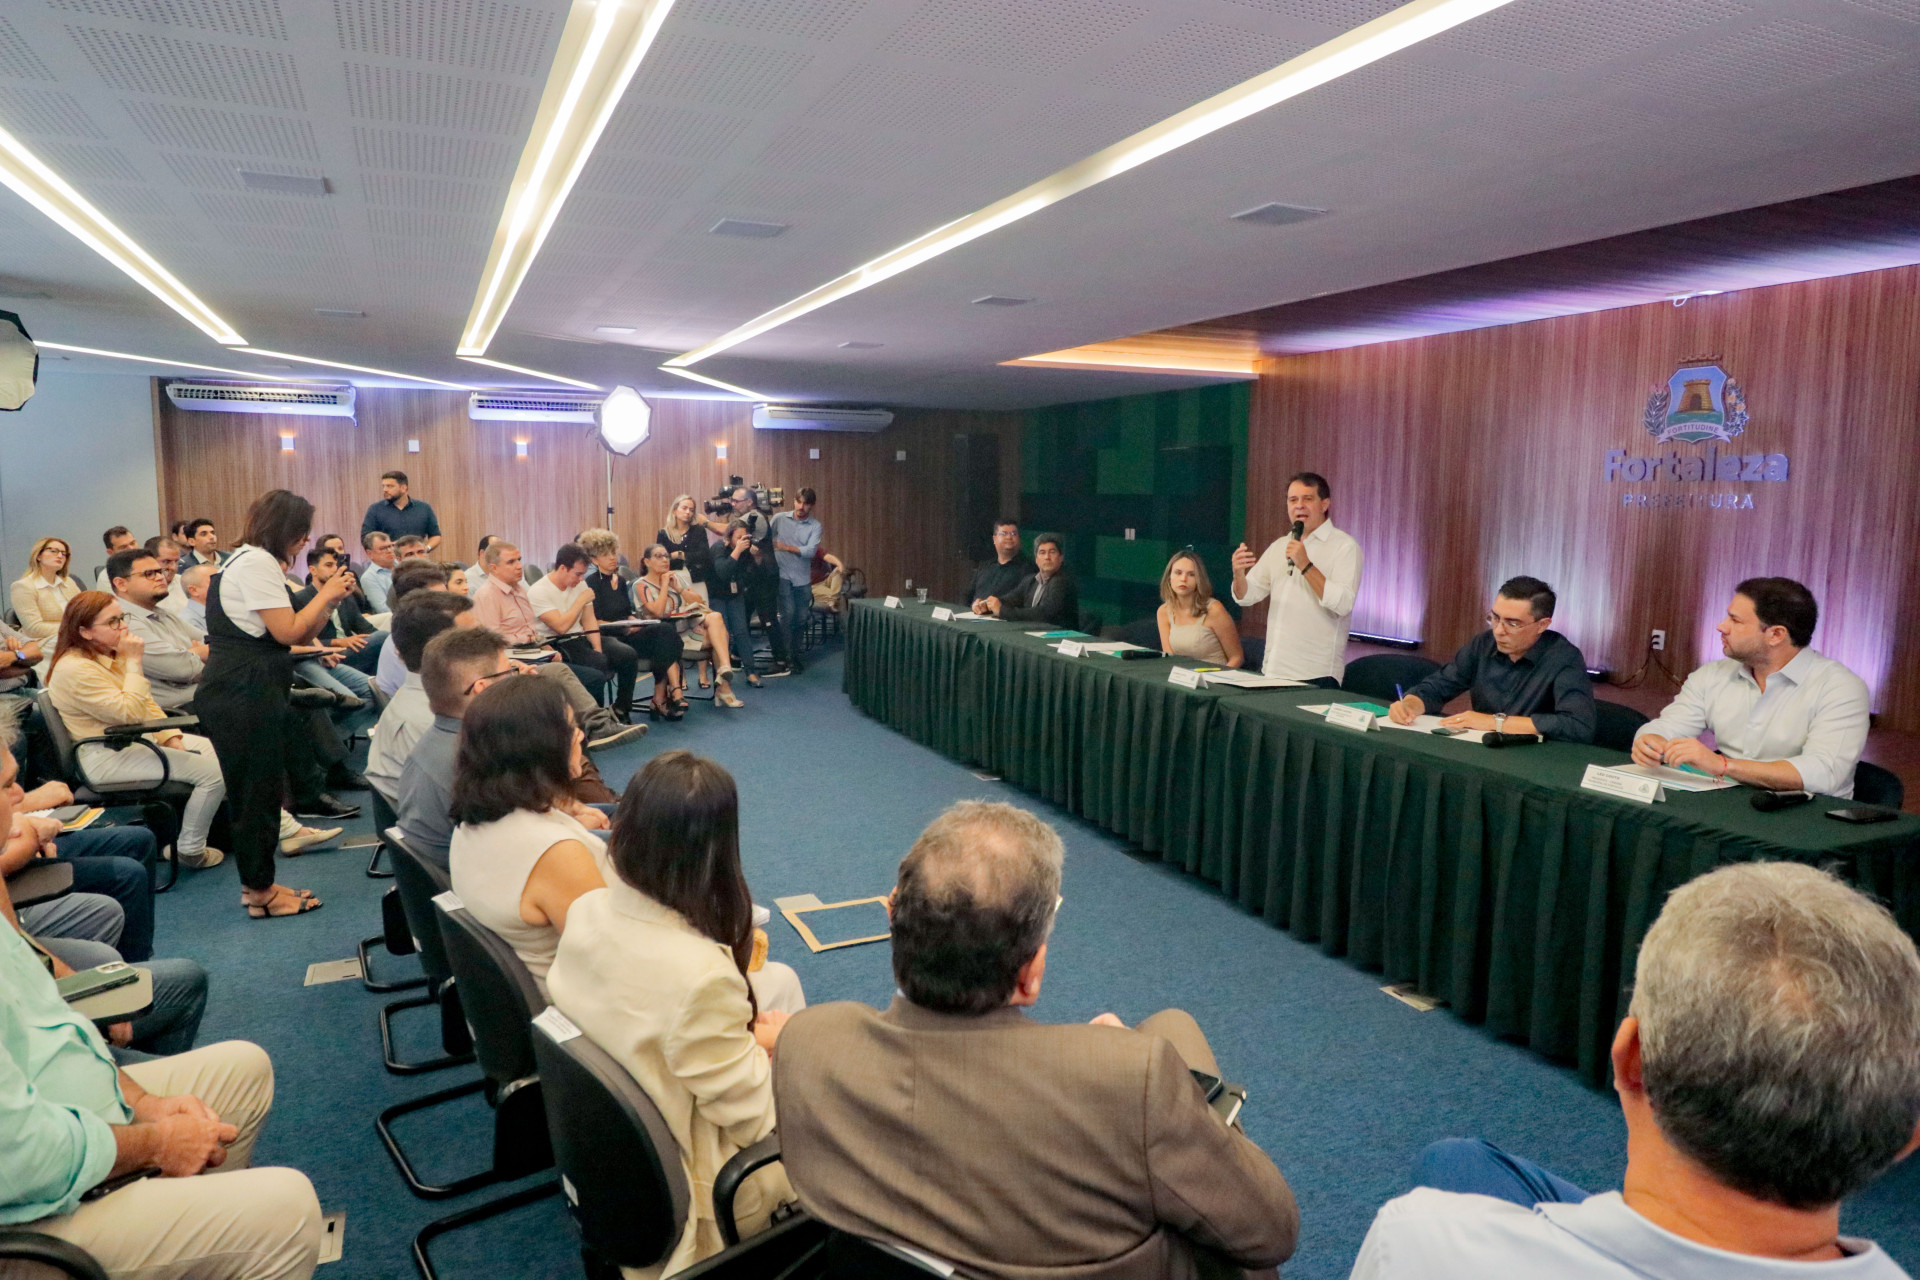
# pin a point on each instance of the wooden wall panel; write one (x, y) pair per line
(1462, 459)
(890, 517)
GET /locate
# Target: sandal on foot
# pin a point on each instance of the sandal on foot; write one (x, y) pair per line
(723, 697)
(284, 902)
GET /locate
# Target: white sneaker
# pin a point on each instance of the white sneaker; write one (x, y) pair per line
(207, 857)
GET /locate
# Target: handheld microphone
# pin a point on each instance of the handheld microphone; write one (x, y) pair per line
(1299, 527)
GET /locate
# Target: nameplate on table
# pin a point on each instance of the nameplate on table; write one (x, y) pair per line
(1071, 649)
(1624, 786)
(943, 614)
(1349, 715)
(1185, 677)
(893, 602)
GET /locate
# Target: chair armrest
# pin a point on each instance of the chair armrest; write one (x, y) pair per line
(166, 766)
(62, 1255)
(726, 1184)
(151, 726)
(40, 881)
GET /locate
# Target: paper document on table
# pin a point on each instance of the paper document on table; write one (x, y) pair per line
(1250, 680)
(1427, 724)
(1676, 779)
(1106, 646)
(974, 617)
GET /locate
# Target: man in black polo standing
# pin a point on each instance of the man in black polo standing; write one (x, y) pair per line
(398, 514)
(1523, 677)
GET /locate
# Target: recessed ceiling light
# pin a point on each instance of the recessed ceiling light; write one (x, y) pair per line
(601, 47)
(47, 191)
(357, 368)
(1275, 214)
(861, 346)
(747, 228)
(1000, 300)
(177, 364)
(340, 313)
(283, 184)
(615, 330)
(1364, 45)
(531, 373)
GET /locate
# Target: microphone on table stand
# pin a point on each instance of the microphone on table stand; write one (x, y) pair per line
(1299, 527)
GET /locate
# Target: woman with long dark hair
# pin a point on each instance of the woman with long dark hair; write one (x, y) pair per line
(658, 970)
(522, 853)
(242, 703)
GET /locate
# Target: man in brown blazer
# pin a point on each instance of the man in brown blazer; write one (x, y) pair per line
(955, 1124)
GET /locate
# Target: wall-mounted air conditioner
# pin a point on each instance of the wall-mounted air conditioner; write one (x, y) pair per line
(290, 398)
(531, 406)
(814, 417)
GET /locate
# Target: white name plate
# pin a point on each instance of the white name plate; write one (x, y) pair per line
(1625, 786)
(1349, 715)
(893, 602)
(1185, 677)
(943, 614)
(1071, 649)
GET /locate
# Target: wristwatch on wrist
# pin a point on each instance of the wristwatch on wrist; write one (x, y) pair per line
(1500, 722)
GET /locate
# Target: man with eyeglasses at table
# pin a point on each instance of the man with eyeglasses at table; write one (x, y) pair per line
(1523, 678)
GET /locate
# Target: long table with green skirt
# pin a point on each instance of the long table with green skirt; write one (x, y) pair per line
(1486, 878)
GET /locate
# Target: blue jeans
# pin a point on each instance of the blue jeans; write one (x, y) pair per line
(117, 861)
(795, 605)
(1474, 1166)
(342, 679)
(366, 659)
(179, 998)
(733, 612)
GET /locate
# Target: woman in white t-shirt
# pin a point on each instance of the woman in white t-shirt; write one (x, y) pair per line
(522, 851)
(242, 702)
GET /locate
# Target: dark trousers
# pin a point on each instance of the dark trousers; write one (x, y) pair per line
(367, 660)
(613, 657)
(763, 594)
(658, 646)
(1477, 1167)
(113, 861)
(796, 610)
(250, 728)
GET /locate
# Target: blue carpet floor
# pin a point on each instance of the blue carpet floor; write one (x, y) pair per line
(1346, 1083)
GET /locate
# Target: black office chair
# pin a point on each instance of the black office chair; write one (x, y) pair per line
(63, 1256)
(383, 818)
(161, 803)
(627, 1189)
(804, 1248)
(417, 882)
(39, 882)
(1873, 784)
(1615, 725)
(500, 998)
(1375, 675)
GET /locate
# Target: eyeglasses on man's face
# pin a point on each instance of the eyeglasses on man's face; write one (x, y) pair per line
(497, 675)
(1499, 623)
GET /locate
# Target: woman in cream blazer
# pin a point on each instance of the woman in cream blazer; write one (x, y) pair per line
(45, 590)
(653, 969)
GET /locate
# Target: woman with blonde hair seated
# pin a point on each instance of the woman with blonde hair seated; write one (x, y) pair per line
(97, 681)
(43, 592)
(662, 969)
(1192, 623)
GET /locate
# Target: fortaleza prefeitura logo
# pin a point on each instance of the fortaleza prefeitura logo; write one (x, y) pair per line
(1699, 405)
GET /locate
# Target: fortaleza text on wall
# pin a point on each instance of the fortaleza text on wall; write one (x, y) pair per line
(1710, 467)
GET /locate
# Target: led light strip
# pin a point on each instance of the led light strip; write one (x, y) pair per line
(531, 373)
(357, 368)
(47, 191)
(600, 49)
(1366, 44)
(178, 364)
(713, 382)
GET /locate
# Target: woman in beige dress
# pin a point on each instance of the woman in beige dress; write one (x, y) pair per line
(45, 590)
(1192, 623)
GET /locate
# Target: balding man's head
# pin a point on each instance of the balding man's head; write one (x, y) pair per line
(974, 904)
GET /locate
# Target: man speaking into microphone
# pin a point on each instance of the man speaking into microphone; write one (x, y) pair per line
(1310, 577)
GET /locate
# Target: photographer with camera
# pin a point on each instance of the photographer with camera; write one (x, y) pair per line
(751, 508)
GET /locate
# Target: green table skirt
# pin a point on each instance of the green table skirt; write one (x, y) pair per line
(1487, 879)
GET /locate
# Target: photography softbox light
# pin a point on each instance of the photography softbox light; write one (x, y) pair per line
(19, 362)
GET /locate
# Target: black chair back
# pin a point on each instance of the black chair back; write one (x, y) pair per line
(625, 1182)
(496, 991)
(1615, 725)
(62, 740)
(37, 1249)
(1375, 675)
(419, 883)
(1144, 632)
(1873, 784)
(804, 1248)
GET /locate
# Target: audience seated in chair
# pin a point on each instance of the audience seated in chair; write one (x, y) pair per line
(71, 1119)
(1051, 595)
(564, 619)
(454, 668)
(1768, 1067)
(195, 580)
(174, 656)
(659, 969)
(116, 539)
(109, 863)
(523, 849)
(663, 593)
(955, 1124)
(420, 618)
(41, 594)
(347, 632)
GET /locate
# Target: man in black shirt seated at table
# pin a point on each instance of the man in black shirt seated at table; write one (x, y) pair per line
(1523, 677)
(1051, 595)
(998, 577)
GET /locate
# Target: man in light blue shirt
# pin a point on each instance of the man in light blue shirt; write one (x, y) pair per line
(796, 536)
(376, 580)
(1783, 716)
(1768, 1068)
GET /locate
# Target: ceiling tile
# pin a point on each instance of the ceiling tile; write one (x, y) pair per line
(1196, 60)
(1012, 35)
(86, 163)
(404, 151)
(45, 111)
(1572, 34)
(244, 133)
(17, 60)
(135, 62)
(670, 131)
(411, 191)
(909, 99)
(479, 35)
(720, 73)
(808, 19)
(401, 95)
(258, 18)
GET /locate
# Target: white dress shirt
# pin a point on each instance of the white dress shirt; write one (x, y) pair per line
(1813, 715)
(1443, 1235)
(1307, 633)
(403, 721)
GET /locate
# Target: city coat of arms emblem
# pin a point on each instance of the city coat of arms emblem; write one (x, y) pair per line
(1699, 402)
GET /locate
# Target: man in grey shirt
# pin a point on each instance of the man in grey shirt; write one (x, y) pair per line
(175, 656)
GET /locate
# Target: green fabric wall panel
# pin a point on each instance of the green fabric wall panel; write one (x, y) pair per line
(1118, 560)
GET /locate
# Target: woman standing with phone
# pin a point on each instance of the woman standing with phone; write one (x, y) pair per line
(242, 703)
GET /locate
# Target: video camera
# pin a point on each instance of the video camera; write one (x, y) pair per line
(764, 499)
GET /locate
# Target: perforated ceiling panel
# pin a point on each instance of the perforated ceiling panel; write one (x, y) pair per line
(907, 99)
(1569, 34)
(403, 96)
(1198, 59)
(137, 62)
(638, 176)
(403, 152)
(45, 111)
(720, 73)
(671, 131)
(1012, 35)
(483, 36)
(17, 60)
(221, 173)
(1762, 60)
(411, 191)
(807, 19)
(82, 162)
(211, 129)
(258, 18)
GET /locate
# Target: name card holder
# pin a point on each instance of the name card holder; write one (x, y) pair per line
(1070, 649)
(1350, 716)
(1623, 786)
(893, 602)
(1185, 677)
(943, 614)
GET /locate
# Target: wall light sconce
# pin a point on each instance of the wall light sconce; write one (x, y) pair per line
(286, 443)
(720, 453)
(519, 448)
